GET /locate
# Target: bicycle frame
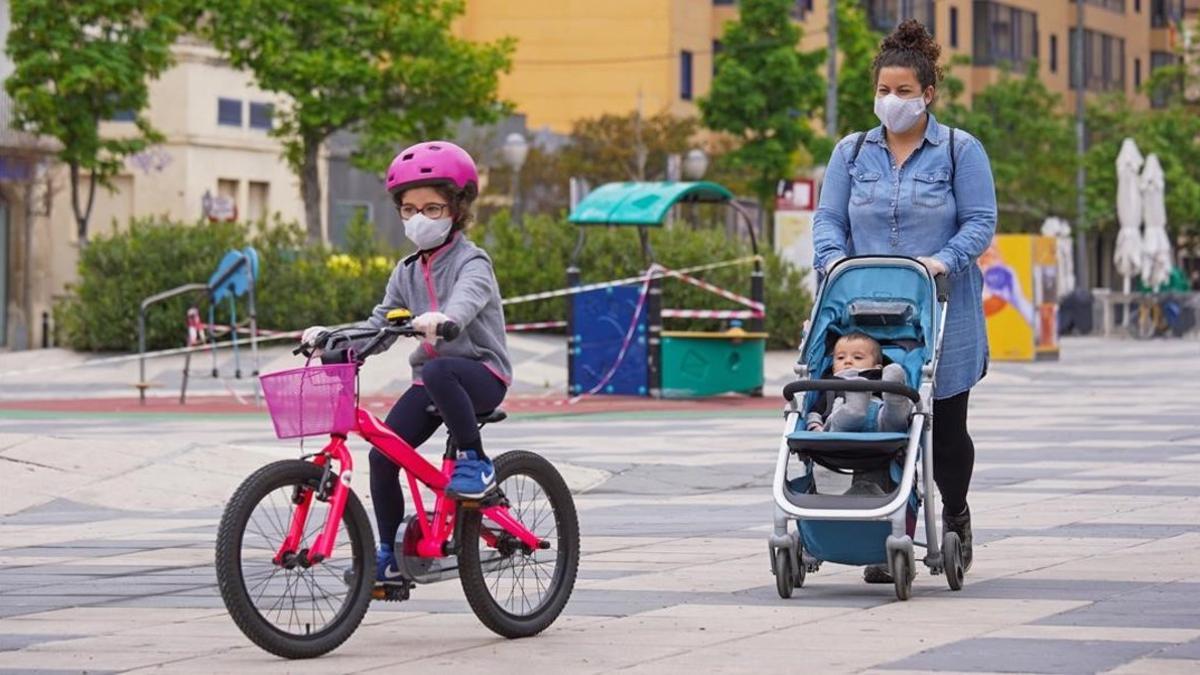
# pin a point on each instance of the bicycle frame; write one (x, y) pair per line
(435, 531)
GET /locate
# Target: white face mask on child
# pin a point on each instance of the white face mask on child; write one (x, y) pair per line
(427, 233)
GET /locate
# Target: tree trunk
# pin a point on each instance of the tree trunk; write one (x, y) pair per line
(310, 189)
(83, 213)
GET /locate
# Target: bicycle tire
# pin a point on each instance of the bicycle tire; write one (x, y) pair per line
(231, 581)
(565, 545)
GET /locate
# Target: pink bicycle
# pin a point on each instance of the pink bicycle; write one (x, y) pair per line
(295, 550)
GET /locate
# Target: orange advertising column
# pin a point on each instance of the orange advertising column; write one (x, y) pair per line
(1020, 297)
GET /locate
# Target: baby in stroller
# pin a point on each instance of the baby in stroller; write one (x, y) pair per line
(857, 356)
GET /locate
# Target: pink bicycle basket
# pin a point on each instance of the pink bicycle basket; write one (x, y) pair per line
(311, 401)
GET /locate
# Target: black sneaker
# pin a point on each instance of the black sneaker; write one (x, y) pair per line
(877, 574)
(961, 524)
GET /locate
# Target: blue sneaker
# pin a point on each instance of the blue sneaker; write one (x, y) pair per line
(386, 569)
(473, 477)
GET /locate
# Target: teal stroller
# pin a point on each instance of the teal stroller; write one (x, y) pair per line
(896, 302)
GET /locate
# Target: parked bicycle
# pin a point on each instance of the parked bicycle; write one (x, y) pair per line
(295, 550)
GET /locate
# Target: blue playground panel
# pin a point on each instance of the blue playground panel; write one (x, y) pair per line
(600, 320)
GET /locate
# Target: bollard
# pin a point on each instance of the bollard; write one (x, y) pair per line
(45, 330)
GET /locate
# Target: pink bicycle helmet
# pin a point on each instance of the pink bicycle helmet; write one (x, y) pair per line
(432, 163)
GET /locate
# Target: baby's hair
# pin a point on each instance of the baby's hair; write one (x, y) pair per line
(856, 336)
(910, 46)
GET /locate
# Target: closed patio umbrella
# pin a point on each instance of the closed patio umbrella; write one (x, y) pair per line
(1128, 254)
(1156, 246)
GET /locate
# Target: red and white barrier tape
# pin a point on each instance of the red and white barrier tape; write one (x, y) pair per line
(660, 271)
(716, 290)
(534, 325)
(711, 314)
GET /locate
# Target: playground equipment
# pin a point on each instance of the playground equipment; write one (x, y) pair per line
(234, 277)
(616, 341)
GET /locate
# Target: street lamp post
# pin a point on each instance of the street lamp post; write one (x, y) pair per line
(515, 150)
(695, 163)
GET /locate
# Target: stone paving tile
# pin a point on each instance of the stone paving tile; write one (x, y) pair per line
(1010, 655)
(1087, 511)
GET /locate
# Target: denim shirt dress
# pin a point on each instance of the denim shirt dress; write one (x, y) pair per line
(869, 207)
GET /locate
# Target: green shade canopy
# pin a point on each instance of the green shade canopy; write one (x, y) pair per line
(642, 203)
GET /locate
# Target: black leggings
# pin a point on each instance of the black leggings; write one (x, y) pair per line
(460, 388)
(953, 451)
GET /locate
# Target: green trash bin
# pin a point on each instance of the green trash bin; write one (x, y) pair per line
(698, 363)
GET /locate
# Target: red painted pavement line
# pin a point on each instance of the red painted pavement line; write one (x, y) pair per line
(517, 404)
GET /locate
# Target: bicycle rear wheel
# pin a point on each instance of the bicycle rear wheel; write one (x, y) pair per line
(291, 610)
(516, 592)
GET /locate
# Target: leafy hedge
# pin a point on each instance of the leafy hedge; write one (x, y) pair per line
(302, 284)
(534, 258)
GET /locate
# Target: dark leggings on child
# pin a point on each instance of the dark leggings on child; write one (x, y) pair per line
(460, 388)
(953, 451)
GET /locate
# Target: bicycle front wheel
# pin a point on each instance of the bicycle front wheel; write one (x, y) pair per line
(292, 610)
(515, 592)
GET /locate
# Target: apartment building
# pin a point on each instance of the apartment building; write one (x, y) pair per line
(577, 59)
(215, 123)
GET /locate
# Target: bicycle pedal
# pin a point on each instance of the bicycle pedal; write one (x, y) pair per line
(391, 592)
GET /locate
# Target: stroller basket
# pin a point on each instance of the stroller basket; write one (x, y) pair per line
(311, 401)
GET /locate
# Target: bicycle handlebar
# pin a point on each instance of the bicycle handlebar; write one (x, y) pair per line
(448, 330)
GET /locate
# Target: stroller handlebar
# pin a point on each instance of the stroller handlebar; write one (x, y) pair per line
(941, 284)
(792, 388)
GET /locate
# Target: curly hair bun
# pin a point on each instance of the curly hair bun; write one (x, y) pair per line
(911, 45)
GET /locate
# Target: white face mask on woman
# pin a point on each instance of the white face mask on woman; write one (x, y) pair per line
(899, 114)
(425, 232)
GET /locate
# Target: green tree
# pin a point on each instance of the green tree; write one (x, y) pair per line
(856, 77)
(389, 69)
(1031, 144)
(626, 147)
(77, 64)
(764, 93)
(1173, 133)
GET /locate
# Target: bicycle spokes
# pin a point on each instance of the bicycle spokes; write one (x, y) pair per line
(519, 576)
(292, 594)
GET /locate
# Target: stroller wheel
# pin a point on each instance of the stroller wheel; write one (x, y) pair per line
(783, 573)
(952, 558)
(902, 575)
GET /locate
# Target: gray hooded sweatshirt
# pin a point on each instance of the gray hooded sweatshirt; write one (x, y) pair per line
(457, 280)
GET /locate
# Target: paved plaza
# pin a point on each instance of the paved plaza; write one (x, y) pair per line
(1087, 518)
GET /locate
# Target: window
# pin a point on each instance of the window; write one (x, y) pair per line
(260, 115)
(1137, 73)
(1165, 12)
(257, 202)
(1004, 34)
(724, 2)
(1161, 94)
(1053, 53)
(954, 27)
(229, 112)
(716, 50)
(800, 8)
(123, 116)
(884, 15)
(1103, 60)
(685, 75)
(344, 212)
(1113, 5)
(1137, 6)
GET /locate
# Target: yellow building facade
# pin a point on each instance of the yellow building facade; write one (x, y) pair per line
(579, 59)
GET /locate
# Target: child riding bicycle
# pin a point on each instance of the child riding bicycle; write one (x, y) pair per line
(449, 278)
